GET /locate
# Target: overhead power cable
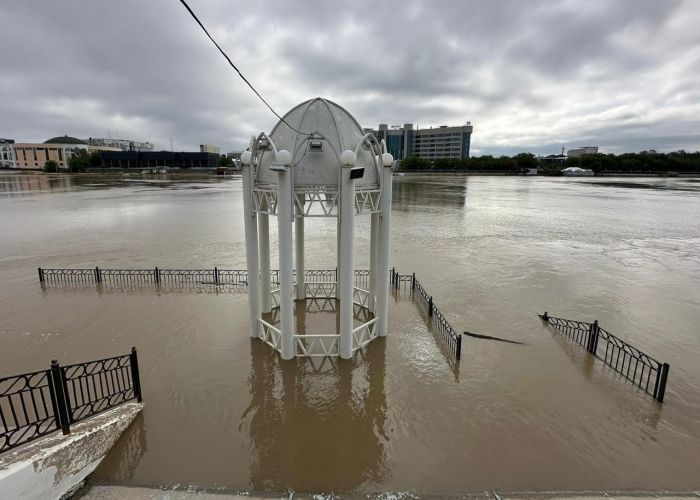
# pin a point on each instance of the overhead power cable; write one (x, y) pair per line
(194, 16)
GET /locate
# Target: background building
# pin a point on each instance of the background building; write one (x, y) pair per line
(30, 155)
(209, 148)
(151, 159)
(123, 144)
(585, 150)
(428, 143)
(7, 153)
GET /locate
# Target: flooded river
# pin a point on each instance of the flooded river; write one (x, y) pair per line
(223, 411)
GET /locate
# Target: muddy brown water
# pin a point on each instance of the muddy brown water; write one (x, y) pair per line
(223, 411)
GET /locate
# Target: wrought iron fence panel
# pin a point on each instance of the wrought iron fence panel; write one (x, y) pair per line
(233, 276)
(38, 403)
(578, 331)
(124, 276)
(320, 275)
(642, 370)
(187, 275)
(71, 276)
(636, 366)
(96, 386)
(451, 337)
(26, 408)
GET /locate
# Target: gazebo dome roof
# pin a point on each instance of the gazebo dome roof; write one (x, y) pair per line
(310, 124)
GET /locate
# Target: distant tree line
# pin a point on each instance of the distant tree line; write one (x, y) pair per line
(646, 162)
(486, 163)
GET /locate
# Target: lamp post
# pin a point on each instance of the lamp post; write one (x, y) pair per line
(347, 252)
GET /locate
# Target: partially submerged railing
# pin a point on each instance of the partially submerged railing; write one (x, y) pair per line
(450, 336)
(35, 404)
(636, 366)
(156, 275)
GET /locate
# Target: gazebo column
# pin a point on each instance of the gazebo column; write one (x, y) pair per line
(265, 288)
(299, 248)
(382, 310)
(251, 250)
(284, 228)
(373, 255)
(347, 258)
(337, 250)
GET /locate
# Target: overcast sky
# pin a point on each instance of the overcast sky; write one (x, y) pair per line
(530, 75)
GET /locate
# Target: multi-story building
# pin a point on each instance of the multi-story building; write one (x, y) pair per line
(154, 159)
(209, 148)
(30, 155)
(7, 153)
(585, 150)
(427, 143)
(123, 144)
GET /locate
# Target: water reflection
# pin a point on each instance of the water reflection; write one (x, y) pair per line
(314, 429)
(26, 184)
(36, 183)
(648, 412)
(424, 190)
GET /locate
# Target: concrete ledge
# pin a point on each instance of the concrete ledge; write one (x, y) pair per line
(106, 492)
(54, 466)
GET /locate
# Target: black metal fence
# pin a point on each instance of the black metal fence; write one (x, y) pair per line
(636, 366)
(225, 278)
(38, 403)
(450, 336)
(156, 275)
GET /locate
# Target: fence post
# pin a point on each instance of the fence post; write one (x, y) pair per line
(662, 382)
(413, 282)
(545, 317)
(430, 306)
(41, 274)
(458, 352)
(135, 376)
(98, 275)
(156, 275)
(593, 338)
(58, 398)
(216, 275)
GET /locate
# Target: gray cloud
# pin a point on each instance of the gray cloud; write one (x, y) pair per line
(530, 75)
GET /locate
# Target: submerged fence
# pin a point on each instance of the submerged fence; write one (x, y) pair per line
(639, 368)
(158, 276)
(450, 336)
(39, 403)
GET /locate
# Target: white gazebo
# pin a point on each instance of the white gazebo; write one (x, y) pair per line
(316, 162)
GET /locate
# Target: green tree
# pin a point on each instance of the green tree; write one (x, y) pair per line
(414, 163)
(225, 161)
(525, 160)
(78, 161)
(95, 159)
(50, 166)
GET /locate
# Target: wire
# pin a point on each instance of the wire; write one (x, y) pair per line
(194, 16)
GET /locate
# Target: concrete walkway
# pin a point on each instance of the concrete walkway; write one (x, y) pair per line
(120, 492)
